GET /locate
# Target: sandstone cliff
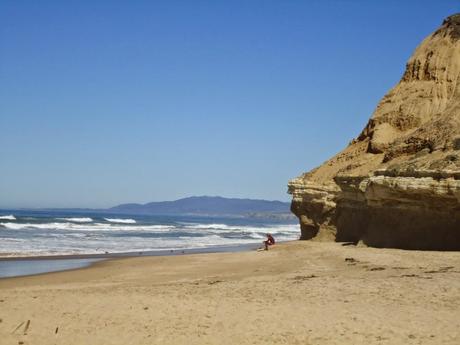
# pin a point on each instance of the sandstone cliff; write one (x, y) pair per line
(398, 183)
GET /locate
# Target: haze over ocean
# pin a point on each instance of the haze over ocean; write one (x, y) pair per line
(111, 102)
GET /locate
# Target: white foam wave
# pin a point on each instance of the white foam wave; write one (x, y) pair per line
(67, 237)
(8, 217)
(120, 220)
(78, 220)
(86, 227)
(101, 244)
(294, 228)
(209, 226)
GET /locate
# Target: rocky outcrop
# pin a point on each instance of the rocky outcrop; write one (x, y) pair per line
(411, 212)
(398, 183)
(315, 205)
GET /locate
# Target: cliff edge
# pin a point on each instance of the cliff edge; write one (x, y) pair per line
(398, 183)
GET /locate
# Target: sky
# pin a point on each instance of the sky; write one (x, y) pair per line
(107, 102)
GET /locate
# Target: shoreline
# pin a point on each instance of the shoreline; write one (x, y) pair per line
(162, 252)
(82, 261)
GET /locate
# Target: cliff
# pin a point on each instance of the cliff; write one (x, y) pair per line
(398, 183)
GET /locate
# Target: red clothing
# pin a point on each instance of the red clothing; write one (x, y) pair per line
(270, 240)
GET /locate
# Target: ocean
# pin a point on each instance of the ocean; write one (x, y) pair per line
(46, 233)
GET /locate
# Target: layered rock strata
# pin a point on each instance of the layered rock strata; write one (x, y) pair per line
(398, 183)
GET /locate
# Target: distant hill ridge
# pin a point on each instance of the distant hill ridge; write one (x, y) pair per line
(205, 205)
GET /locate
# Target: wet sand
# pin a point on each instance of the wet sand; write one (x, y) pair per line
(15, 266)
(296, 293)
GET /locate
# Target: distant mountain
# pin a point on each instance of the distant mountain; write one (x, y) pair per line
(208, 205)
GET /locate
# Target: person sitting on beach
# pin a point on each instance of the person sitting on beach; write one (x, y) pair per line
(269, 241)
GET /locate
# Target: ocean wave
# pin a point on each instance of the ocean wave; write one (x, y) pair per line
(78, 220)
(51, 235)
(87, 227)
(101, 244)
(120, 220)
(284, 228)
(8, 217)
(209, 226)
(233, 231)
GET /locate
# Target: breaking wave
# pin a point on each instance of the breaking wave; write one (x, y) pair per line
(9, 217)
(84, 227)
(48, 235)
(78, 220)
(120, 220)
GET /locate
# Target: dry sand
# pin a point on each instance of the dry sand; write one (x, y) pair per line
(296, 293)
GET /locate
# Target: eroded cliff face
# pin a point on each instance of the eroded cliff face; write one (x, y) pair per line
(398, 183)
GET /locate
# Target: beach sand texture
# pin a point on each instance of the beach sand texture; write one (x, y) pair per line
(296, 293)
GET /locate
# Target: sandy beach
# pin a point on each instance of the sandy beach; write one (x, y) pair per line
(296, 293)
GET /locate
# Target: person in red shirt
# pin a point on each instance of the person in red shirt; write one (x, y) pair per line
(269, 241)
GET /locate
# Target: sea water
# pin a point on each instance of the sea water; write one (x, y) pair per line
(17, 268)
(43, 233)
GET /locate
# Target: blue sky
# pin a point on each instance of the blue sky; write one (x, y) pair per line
(105, 102)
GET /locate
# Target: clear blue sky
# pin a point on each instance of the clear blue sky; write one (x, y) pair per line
(104, 102)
